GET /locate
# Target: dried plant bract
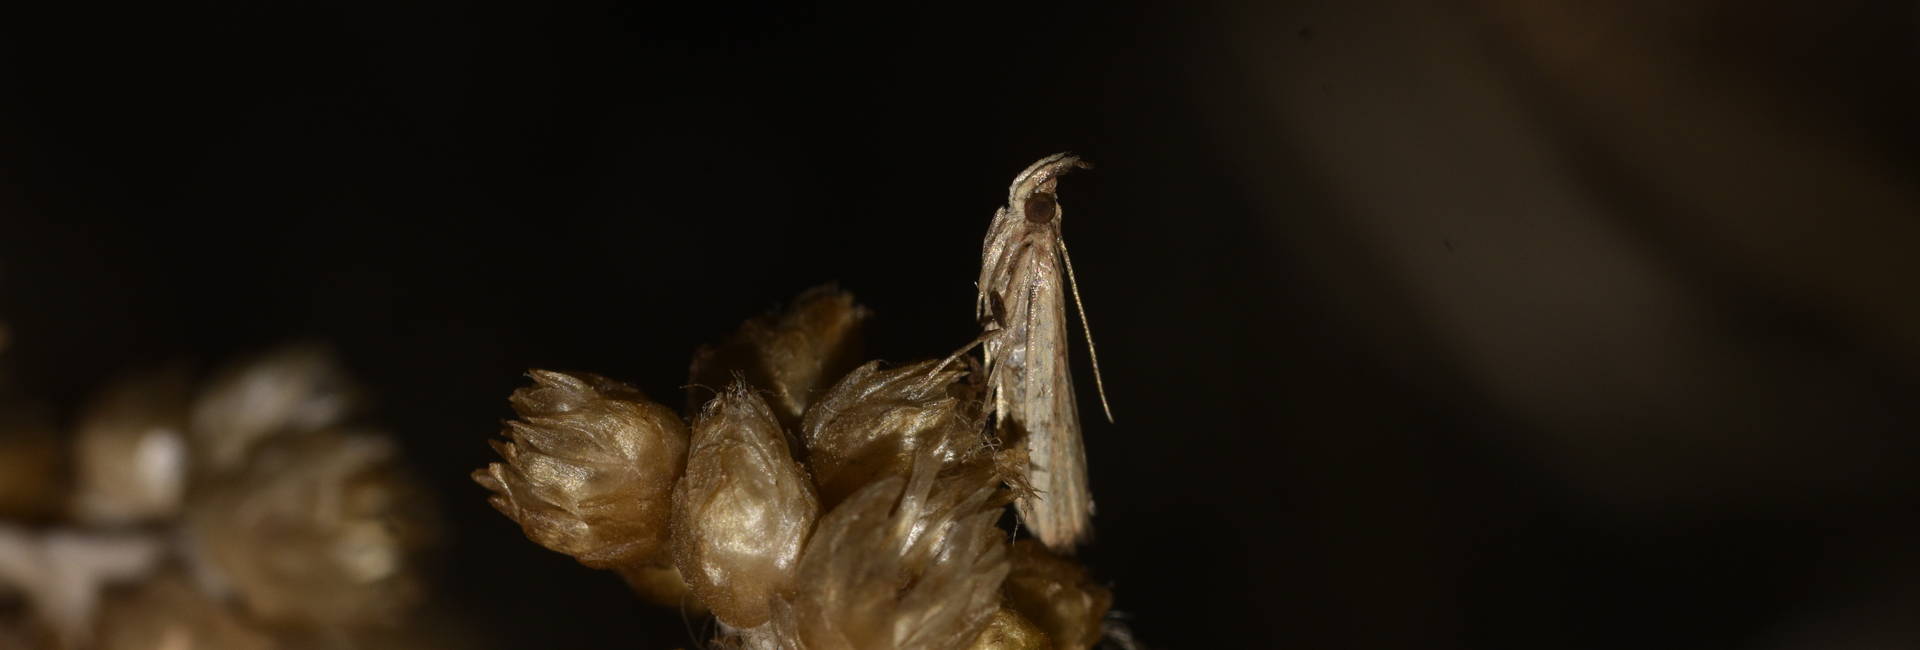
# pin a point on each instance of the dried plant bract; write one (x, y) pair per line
(1055, 593)
(742, 514)
(876, 422)
(794, 355)
(905, 563)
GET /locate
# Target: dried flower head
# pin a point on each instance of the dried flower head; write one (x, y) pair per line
(131, 450)
(876, 422)
(590, 473)
(296, 389)
(319, 530)
(905, 563)
(590, 469)
(1055, 593)
(793, 355)
(742, 514)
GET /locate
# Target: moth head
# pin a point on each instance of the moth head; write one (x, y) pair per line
(1032, 192)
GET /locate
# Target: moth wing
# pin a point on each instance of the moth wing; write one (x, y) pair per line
(1060, 515)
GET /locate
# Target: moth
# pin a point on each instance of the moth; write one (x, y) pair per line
(1025, 275)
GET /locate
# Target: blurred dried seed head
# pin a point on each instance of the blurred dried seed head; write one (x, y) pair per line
(742, 514)
(1055, 593)
(319, 530)
(168, 613)
(130, 450)
(21, 630)
(907, 562)
(296, 389)
(875, 422)
(1011, 631)
(590, 469)
(61, 573)
(32, 465)
(793, 355)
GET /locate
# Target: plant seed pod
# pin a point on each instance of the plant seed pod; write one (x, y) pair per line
(793, 355)
(1011, 631)
(166, 612)
(319, 530)
(130, 452)
(1055, 593)
(875, 422)
(905, 563)
(589, 469)
(293, 390)
(742, 514)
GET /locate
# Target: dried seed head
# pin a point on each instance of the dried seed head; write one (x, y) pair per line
(742, 514)
(589, 469)
(61, 573)
(1011, 631)
(1055, 593)
(905, 563)
(875, 422)
(319, 530)
(166, 613)
(297, 389)
(131, 450)
(793, 355)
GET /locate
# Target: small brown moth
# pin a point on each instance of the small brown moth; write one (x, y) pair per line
(1022, 305)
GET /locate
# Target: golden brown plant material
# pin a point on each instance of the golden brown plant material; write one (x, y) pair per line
(1055, 593)
(168, 613)
(664, 586)
(907, 562)
(875, 422)
(590, 469)
(296, 389)
(742, 514)
(130, 451)
(32, 465)
(318, 530)
(21, 630)
(794, 355)
(1011, 631)
(60, 573)
(1022, 305)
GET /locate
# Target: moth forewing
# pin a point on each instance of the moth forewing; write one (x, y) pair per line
(1022, 304)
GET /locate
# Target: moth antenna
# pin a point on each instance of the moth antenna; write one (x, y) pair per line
(1097, 383)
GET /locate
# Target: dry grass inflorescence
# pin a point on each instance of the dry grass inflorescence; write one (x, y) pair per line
(815, 502)
(247, 512)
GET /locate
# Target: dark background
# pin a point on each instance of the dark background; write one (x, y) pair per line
(1312, 447)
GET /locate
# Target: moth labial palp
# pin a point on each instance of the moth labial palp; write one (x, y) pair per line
(1025, 276)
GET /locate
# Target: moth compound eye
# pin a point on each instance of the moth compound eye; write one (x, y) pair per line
(1040, 208)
